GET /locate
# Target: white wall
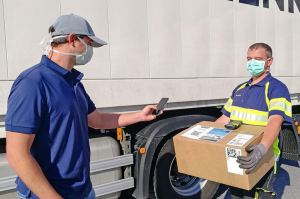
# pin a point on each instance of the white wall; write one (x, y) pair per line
(25, 26)
(96, 11)
(3, 61)
(185, 50)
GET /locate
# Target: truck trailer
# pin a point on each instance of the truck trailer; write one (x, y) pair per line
(191, 51)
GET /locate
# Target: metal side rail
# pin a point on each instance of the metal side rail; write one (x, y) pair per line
(7, 183)
(2, 130)
(110, 163)
(114, 186)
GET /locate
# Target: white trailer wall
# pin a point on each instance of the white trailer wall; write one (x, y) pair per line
(191, 51)
(3, 63)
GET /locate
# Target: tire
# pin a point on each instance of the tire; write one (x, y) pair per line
(169, 184)
(289, 144)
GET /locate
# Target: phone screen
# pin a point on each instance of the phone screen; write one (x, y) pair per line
(161, 105)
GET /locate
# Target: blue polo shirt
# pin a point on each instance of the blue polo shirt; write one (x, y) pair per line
(253, 97)
(51, 102)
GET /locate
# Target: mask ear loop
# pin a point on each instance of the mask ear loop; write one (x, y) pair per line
(44, 39)
(48, 49)
(46, 44)
(85, 45)
(65, 53)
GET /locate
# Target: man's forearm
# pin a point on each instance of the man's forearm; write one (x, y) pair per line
(223, 119)
(269, 136)
(129, 118)
(110, 121)
(99, 120)
(31, 174)
(271, 131)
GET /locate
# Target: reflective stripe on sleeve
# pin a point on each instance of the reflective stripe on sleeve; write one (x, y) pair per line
(228, 105)
(281, 104)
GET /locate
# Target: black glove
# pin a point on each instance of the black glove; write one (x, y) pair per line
(256, 152)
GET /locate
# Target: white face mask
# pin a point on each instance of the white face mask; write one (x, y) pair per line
(86, 56)
(81, 58)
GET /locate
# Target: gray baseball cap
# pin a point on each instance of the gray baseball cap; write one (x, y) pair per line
(72, 23)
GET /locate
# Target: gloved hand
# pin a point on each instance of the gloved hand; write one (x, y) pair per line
(256, 152)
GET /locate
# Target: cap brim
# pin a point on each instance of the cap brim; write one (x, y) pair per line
(97, 42)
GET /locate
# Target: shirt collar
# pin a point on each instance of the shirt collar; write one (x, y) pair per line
(68, 75)
(262, 82)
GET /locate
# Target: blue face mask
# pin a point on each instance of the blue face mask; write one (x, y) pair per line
(256, 67)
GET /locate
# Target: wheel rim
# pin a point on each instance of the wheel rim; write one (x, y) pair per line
(183, 184)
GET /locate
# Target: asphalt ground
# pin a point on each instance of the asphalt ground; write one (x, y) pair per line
(286, 185)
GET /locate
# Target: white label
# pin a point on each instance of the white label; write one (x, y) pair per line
(240, 140)
(196, 132)
(231, 157)
(206, 133)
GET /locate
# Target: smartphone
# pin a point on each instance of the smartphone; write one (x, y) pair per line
(161, 105)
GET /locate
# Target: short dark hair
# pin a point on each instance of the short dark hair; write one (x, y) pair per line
(264, 46)
(57, 40)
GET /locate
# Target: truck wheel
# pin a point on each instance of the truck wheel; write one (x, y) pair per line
(169, 183)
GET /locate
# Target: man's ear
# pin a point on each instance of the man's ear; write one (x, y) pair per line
(268, 64)
(270, 61)
(71, 39)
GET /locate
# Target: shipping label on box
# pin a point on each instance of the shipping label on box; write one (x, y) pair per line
(199, 132)
(232, 153)
(231, 158)
(240, 139)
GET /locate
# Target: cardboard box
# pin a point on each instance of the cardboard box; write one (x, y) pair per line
(211, 154)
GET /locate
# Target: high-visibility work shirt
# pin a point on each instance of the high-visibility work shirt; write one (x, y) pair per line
(51, 102)
(254, 104)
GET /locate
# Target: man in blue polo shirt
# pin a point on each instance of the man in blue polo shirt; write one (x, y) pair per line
(49, 113)
(264, 101)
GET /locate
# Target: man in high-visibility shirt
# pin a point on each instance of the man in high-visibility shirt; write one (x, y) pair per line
(264, 101)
